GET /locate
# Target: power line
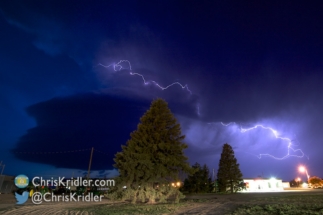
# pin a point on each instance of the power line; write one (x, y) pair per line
(101, 152)
(57, 152)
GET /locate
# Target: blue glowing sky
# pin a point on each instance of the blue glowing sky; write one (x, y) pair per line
(251, 63)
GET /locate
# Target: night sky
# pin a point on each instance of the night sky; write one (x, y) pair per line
(241, 63)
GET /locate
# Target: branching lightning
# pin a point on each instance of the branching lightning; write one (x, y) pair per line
(290, 145)
(118, 66)
(291, 150)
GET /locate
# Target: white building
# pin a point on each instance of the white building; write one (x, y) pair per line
(263, 185)
(286, 185)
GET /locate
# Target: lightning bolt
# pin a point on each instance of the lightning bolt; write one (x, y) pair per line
(290, 145)
(118, 66)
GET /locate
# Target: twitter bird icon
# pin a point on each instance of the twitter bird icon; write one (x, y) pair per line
(22, 198)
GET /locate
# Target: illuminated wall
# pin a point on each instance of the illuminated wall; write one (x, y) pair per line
(263, 185)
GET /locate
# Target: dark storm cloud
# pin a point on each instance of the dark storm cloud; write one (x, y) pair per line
(242, 98)
(80, 122)
(247, 63)
(61, 28)
(50, 34)
(83, 33)
(301, 125)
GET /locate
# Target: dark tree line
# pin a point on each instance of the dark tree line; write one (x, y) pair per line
(153, 158)
(229, 176)
(200, 181)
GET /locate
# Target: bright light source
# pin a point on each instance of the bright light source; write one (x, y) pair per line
(273, 179)
(301, 169)
(178, 184)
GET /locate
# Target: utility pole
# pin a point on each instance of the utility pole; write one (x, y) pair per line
(1, 177)
(90, 163)
(2, 167)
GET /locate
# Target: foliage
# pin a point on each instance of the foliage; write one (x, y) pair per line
(229, 174)
(153, 157)
(199, 181)
(315, 181)
(295, 183)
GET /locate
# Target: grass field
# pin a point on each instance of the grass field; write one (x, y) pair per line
(287, 203)
(294, 203)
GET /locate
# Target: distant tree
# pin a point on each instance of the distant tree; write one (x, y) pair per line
(153, 158)
(315, 181)
(207, 187)
(229, 174)
(199, 181)
(295, 183)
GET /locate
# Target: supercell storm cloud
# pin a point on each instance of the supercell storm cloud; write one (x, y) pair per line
(80, 75)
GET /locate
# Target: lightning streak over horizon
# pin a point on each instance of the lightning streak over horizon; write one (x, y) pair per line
(290, 145)
(118, 67)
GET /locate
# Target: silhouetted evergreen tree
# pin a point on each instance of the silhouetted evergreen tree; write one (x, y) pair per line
(206, 179)
(229, 174)
(153, 157)
(199, 181)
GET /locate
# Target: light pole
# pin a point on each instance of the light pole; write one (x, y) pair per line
(303, 169)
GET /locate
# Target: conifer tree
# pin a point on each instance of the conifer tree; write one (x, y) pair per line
(153, 157)
(199, 181)
(229, 174)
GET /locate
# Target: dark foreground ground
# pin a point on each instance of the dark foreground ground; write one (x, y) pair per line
(287, 202)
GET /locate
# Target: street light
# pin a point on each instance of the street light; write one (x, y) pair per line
(303, 169)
